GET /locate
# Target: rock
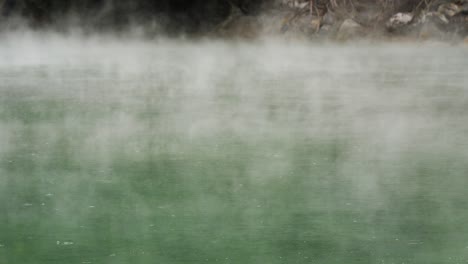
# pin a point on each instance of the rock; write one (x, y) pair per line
(399, 21)
(329, 18)
(432, 26)
(349, 29)
(238, 25)
(449, 9)
(434, 17)
(446, 21)
(244, 27)
(296, 4)
(306, 25)
(464, 8)
(315, 23)
(302, 23)
(325, 31)
(454, 16)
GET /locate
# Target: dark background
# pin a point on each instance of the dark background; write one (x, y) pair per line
(174, 15)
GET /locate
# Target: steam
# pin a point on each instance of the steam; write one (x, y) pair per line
(157, 140)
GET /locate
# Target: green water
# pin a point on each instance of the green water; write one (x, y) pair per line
(233, 153)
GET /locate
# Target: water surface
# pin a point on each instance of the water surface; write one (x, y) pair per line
(118, 151)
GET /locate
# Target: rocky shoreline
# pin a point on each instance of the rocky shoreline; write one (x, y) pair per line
(429, 20)
(337, 20)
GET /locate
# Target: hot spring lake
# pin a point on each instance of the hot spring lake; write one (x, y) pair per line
(122, 151)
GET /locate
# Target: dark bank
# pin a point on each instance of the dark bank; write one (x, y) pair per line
(311, 19)
(175, 15)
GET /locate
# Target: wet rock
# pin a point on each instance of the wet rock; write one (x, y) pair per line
(399, 21)
(238, 25)
(464, 8)
(432, 26)
(301, 22)
(432, 17)
(325, 31)
(449, 9)
(349, 29)
(315, 24)
(456, 16)
(446, 21)
(296, 4)
(304, 25)
(329, 18)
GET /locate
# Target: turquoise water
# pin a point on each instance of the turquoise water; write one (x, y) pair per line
(212, 152)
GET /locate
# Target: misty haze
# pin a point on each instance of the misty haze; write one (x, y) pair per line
(119, 148)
